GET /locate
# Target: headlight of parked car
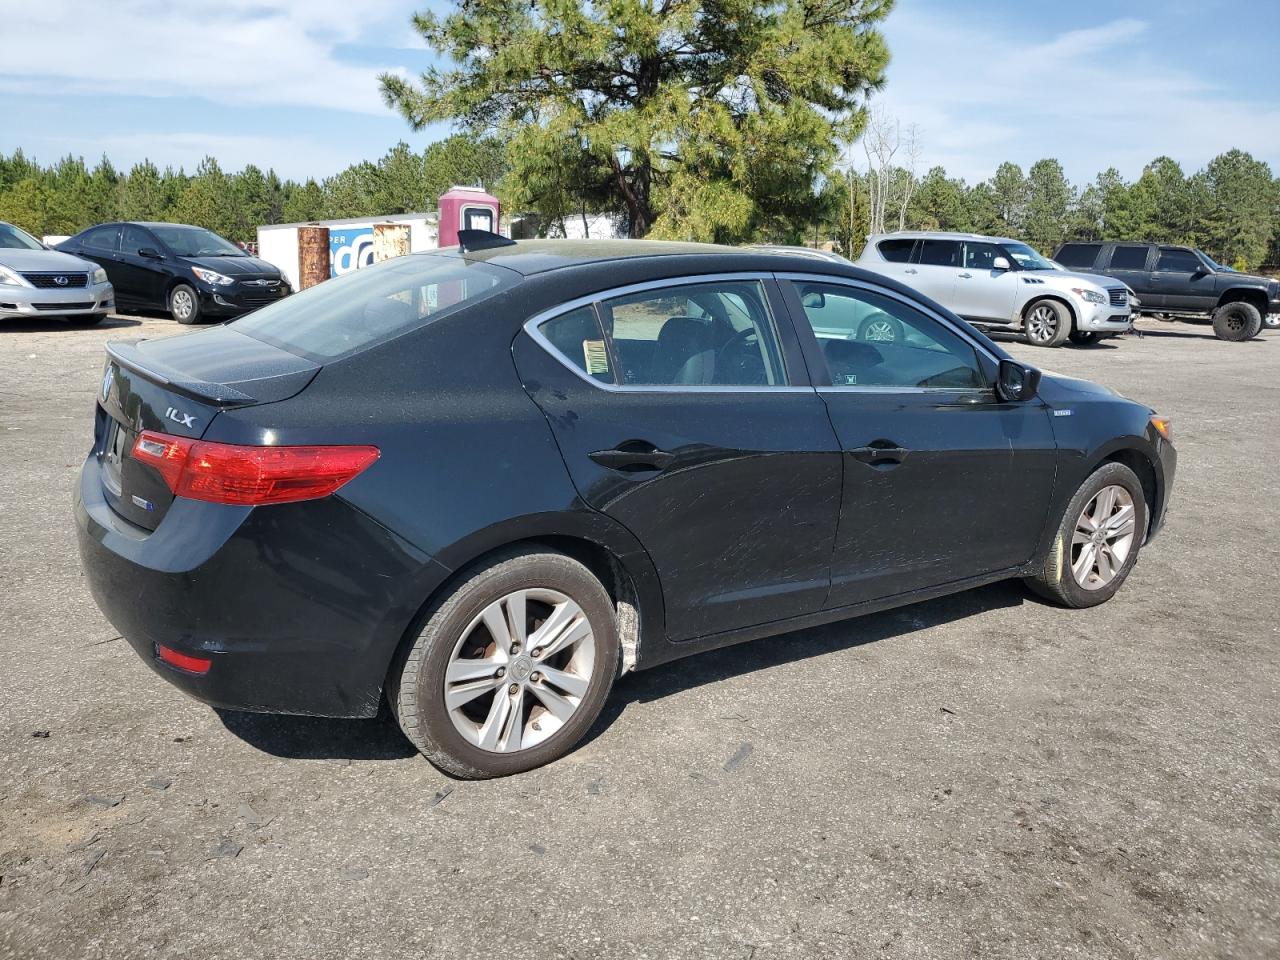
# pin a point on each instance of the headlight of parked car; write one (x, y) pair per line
(212, 276)
(99, 276)
(11, 279)
(1090, 296)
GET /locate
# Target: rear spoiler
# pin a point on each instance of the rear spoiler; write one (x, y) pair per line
(218, 394)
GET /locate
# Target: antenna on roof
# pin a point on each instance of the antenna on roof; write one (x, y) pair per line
(472, 240)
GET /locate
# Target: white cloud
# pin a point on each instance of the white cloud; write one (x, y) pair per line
(1094, 97)
(237, 52)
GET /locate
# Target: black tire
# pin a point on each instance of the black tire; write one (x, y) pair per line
(416, 687)
(184, 304)
(1056, 581)
(880, 327)
(1236, 322)
(1084, 338)
(1047, 331)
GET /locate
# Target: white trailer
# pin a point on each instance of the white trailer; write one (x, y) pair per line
(350, 241)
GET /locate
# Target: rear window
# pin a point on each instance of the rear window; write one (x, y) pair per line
(896, 251)
(1129, 258)
(1079, 254)
(373, 304)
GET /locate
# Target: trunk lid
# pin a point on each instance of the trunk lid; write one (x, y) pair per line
(177, 386)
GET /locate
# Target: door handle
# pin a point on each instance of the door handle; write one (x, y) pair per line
(912, 270)
(633, 457)
(965, 276)
(878, 455)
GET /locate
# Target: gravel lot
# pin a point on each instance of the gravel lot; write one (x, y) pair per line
(981, 775)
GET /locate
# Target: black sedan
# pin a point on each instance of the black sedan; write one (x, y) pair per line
(190, 272)
(482, 483)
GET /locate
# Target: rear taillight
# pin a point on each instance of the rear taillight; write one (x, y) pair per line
(249, 476)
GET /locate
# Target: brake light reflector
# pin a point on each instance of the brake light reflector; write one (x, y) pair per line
(249, 476)
(182, 661)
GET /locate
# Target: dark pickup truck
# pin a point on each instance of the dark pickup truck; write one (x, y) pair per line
(1182, 282)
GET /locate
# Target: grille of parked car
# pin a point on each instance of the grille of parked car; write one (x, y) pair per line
(1119, 296)
(53, 307)
(50, 280)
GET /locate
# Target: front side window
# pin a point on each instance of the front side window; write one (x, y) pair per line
(896, 251)
(981, 256)
(940, 253)
(369, 306)
(133, 239)
(1178, 261)
(869, 339)
(11, 238)
(1129, 258)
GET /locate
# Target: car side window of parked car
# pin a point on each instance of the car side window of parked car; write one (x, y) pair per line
(897, 251)
(577, 337)
(939, 253)
(1079, 254)
(981, 256)
(1174, 260)
(133, 239)
(101, 238)
(872, 340)
(708, 334)
(1129, 257)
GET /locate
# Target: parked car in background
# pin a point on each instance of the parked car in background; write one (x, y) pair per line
(482, 482)
(38, 282)
(1001, 284)
(190, 272)
(1183, 282)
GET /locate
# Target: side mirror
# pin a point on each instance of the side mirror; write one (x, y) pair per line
(814, 300)
(1000, 263)
(1016, 381)
(151, 253)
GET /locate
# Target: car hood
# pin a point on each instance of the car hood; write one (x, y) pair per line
(1056, 388)
(25, 261)
(1104, 282)
(235, 266)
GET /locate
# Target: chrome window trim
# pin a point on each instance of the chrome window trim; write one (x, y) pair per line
(906, 301)
(531, 326)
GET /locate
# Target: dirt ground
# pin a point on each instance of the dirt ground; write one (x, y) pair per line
(977, 776)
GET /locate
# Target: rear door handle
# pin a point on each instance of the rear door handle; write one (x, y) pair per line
(913, 270)
(879, 455)
(633, 456)
(965, 276)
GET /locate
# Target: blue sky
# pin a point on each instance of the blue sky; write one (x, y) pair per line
(291, 84)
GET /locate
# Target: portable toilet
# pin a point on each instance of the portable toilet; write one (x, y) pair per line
(466, 208)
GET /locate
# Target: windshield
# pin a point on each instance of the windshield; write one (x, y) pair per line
(196, 242)
(1027, 258)
(11, 238)
(1219, 267)
(373, 304)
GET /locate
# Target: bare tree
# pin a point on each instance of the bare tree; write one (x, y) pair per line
(889, 186)
(907, 183)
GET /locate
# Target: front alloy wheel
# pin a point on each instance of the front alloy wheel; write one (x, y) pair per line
(1046, 323)
(1103, 537)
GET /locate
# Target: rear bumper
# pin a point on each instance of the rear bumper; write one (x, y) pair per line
(28, 302)
(300, 606)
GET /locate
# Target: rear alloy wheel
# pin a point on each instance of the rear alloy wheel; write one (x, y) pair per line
(1084, 338)
(1046, 323)
(1236, 322)
(881, 328)
(1098, 540)
(510, 669)
(184, 304)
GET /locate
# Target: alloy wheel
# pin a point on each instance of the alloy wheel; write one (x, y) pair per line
(1042, 323)
(880, 331)
(1103, 537)
(520, 670)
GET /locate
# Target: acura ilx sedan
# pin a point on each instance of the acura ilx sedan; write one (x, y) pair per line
(481, 483)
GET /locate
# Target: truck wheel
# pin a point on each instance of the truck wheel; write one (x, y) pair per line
(1236, 322)
(1046, 323)
(1082, 338)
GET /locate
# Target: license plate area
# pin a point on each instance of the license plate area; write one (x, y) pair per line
(114, 449)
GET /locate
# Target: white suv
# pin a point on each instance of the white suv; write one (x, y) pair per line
(1001, 284)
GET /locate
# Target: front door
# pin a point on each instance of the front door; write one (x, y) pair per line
(942, 481)
(142, 279)
(682, 410)
(1182, 281)
(982, 292)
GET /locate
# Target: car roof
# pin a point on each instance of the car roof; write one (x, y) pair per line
(529, 257)
(938, 235)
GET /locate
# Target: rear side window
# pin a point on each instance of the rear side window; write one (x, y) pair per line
(1078, 254)
(1129, 258)
(896, 251)
(101, 238)
(577, 337)
(1178, 261)
(373, 304)
(940, 253)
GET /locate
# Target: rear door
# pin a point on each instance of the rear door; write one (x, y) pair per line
(1130, 263)
(982, 292)
(1183, 282)
(935, 269)
(102, 246)
(683, 411)
(894, 258)
(942, 480)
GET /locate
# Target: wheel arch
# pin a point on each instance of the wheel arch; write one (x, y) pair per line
(1053, 295)
(1143, 466)
(1254, 296)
